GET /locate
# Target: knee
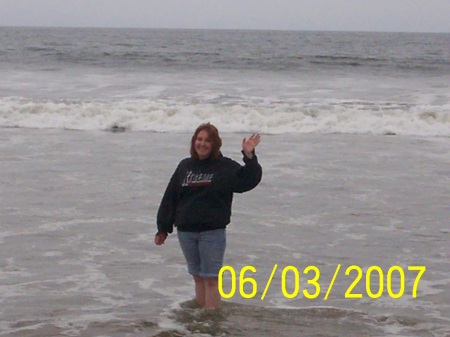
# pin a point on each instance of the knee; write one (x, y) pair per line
(211, 282)
(198, 279)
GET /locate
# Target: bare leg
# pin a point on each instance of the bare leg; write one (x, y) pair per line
(212, 295)
(199, 291)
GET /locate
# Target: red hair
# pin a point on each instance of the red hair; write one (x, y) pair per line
(214, 138)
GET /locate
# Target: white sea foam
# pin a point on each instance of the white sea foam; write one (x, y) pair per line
(146, 284)
(326, 116)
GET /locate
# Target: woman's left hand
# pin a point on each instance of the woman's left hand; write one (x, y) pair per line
(248, 145)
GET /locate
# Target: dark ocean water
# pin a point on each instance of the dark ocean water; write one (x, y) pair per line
(140, 49)
(266, 81)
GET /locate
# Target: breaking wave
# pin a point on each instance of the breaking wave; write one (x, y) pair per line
(332, 116)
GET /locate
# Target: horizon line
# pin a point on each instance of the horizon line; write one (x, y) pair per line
(227, 29)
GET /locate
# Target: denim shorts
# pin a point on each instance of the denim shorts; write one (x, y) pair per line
(203, 251)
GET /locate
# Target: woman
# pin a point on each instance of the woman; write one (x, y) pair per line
(198, 202)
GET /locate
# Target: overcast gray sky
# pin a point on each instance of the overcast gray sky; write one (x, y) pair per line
(353, 15)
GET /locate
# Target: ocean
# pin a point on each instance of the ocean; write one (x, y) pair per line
(353, 205)
(267, 81)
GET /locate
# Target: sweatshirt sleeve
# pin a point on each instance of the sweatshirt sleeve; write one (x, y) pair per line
(167, 209)
(248, 176)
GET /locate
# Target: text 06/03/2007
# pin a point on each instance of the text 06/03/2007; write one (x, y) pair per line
(374, 281)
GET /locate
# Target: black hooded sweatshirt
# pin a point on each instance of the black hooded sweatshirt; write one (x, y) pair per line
(200, 193)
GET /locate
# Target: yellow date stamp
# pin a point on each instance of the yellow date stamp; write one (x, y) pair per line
(377, 282)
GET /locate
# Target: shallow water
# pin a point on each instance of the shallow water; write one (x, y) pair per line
(77, 224)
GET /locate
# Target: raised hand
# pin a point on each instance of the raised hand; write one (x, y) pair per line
(248, 145)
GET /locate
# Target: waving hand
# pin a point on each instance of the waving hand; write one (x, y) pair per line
(248, 145)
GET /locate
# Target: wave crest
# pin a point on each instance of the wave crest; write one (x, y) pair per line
(333, 116)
